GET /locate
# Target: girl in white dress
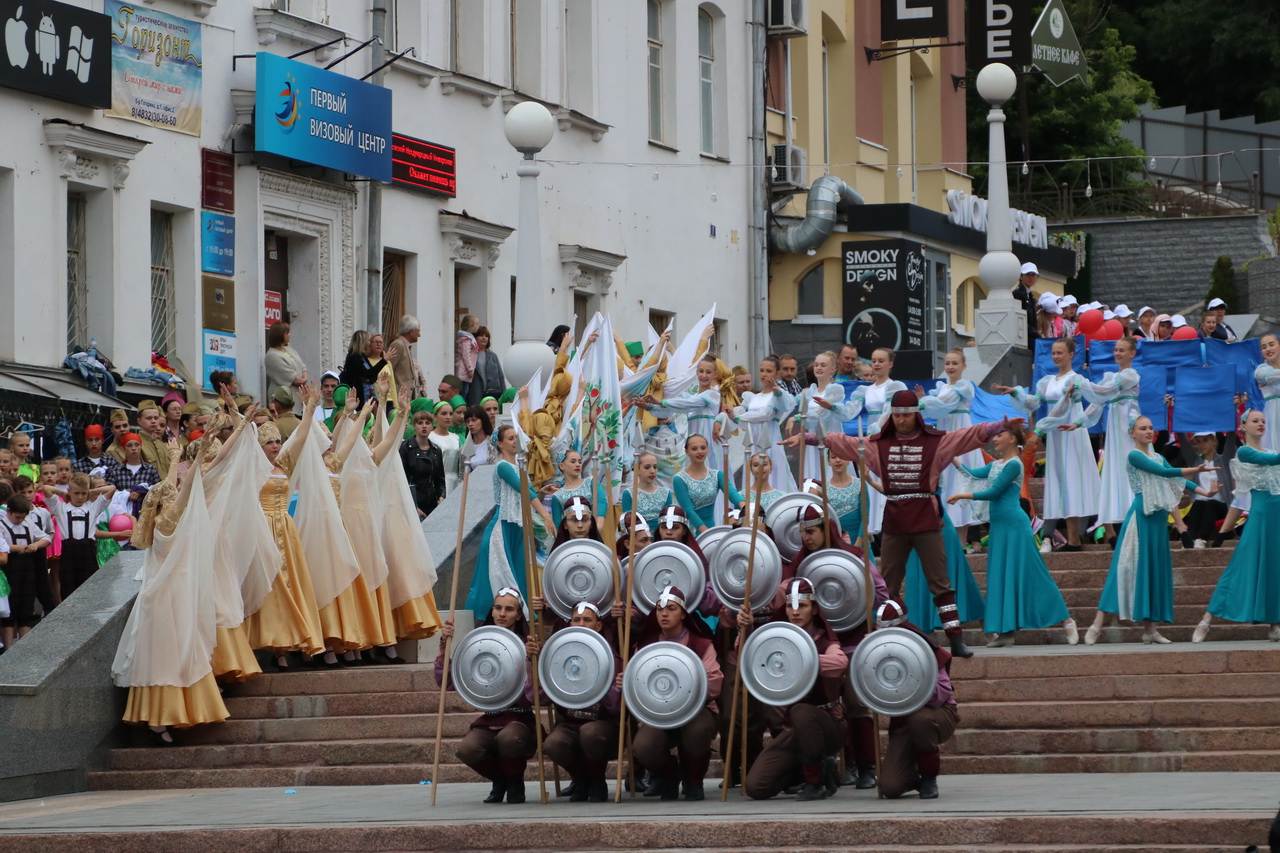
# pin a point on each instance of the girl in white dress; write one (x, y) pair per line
(449, 443)
(822, 403)
(949, 404)
(1071, 483)
(874, 400)
(1119, 392)
(1267, 375)
(699, 406)
(761, 415)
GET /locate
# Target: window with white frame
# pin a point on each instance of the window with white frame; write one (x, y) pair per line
(525, 52)
(826, 109)
(162, 287)
(707, 80)
(315, 10)
(77, 275)
(467, 37)
(391, 37)
(579, 64)
(809, 294)
(656, 124)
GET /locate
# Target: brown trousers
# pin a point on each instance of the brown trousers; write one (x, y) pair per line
(757, 722)
(895, 548)
(692, 742)
(913, 748)
(500, 754)
(796, 753)
(583, 749)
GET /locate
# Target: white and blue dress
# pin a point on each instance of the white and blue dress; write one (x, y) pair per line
(500, 560)
(949, 404)
(875, 400)
(1071, 482)
(1249, 589)
(1118, 391)
(702, 500)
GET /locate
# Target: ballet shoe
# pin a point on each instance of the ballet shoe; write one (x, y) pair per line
(1201, 631)
(1091, 636)
(1274, 636)
(1156, 637)
(1001, 641)
(1073, 632)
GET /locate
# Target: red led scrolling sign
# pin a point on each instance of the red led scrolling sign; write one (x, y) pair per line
(424, 165)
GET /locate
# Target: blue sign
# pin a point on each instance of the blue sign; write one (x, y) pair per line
(217, 243)
(309, 114)
(219, 353)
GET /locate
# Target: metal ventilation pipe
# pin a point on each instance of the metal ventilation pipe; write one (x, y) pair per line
(827, 196)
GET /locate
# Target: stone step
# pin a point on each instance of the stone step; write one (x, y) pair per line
(1114, 635)
(1192, 596)
(556, 830)
(340, 705)
(1114, 741)
(1124, 762)
(1109, 660)
(356, 679)
(1101, 558)
(1094, 578)
(1094, 687)
(294, 729)
(332, 753)
(1120, 713)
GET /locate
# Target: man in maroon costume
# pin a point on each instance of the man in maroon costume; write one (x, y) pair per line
(908, 457)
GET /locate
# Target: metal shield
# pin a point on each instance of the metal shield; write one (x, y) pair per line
(488, 668)
(575, 668)
(893, 671)
(782, 520)
(663, 564)
(779, 663)
(709, 539)
(665, 685)
(839, 586)
(578, 570)
(729, 569)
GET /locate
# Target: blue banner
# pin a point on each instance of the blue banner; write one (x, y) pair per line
(217, 243)
(1200, 404)
(309, 114)
(986, 407)
(1152, 388)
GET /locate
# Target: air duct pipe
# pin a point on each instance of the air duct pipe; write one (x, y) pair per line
(828, 195)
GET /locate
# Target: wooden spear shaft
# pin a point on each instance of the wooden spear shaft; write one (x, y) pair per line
(526, 513)
(453, 604)
(864, 539)
(737, 671)
(624, 632)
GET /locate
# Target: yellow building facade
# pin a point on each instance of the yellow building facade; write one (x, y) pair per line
(893, 130)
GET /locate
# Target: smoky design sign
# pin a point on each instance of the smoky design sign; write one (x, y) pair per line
(884, 295)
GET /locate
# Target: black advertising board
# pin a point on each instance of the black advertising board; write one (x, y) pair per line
(884, 283)
(424, 165)
(56, 50)
(999, 31)
(912, 19)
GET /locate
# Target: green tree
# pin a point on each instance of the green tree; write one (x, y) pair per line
(1077, 120)
(1207, 54)
(1222, 281)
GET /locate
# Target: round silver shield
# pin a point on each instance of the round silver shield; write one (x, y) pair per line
(575, 668)
(729, 569)
(664, 564)
(578, 570)
(488, 668)
(893, 671)
(782, 520)
(839, 586)
(779, 663)
(665, 685)
(709, 539)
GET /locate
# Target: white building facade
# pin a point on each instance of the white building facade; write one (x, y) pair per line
(644, 193)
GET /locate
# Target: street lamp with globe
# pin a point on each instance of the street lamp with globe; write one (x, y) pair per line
(529, 127)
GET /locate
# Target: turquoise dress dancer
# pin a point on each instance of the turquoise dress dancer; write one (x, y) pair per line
(500, 561)
(1139, 585)
(921, 610)
(845, 505)
(1249, 589)
(1020, 591)
(564, 494)
(650, 503)
(698, 497)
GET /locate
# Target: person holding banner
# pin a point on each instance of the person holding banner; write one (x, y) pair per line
(874, 400)
(700, 407)
(1267, 375)
(1139, 585)
(1071, 483)
(1118, 392)
(1249, 589)
(948, 404)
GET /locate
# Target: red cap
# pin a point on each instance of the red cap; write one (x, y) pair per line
(93, 431)
(130, 436)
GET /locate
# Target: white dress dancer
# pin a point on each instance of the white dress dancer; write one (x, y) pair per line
(1267, 375)
(1119, 392)
(874, 400)
(1072, 482)
(762, 414)
(949, 404)
(831, 420)
(700, 408)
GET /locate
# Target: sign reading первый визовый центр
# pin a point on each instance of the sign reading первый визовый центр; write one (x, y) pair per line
(309, 114)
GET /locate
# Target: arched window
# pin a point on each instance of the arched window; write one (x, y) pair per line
(809, 293)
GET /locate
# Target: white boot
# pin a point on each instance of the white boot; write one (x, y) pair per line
(1202, 630)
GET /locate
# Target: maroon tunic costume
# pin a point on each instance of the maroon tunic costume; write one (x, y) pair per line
(908, 466)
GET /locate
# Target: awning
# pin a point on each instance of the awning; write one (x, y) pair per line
(54, 384)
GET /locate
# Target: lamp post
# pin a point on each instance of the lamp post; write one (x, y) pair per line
(529, 127)
(1000, 321)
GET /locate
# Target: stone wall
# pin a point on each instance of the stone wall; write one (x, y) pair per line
(1261, 285)
(1165, 263)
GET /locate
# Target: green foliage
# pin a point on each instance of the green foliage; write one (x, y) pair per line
(1077, 120)
(1207, 54)
(1222, 281)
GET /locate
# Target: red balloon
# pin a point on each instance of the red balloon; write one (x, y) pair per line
(1089, 323)
(1112, 330)
(1185, 333)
